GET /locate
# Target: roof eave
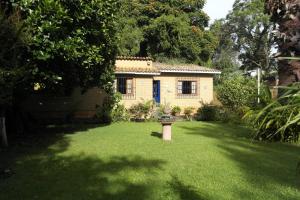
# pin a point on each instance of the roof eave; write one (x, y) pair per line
(140, 73)
(189, 72)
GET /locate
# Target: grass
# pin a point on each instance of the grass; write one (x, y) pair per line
(130, 161)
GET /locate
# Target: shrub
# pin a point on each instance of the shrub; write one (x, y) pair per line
(120, 113)
(280, 120)
(229, 116)
(237, 91)
(188, 111)
(141, 110)
(176, 110)
(207, 113)
(156, 113)
(104, 112)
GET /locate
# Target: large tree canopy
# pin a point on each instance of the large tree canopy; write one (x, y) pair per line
(14, 68)
(57, 45)
(166, 30)
(246, 31)
(73, 42)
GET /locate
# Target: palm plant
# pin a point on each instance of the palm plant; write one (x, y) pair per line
(280, 120)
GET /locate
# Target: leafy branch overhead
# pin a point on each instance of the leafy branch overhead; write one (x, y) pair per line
(77, 34)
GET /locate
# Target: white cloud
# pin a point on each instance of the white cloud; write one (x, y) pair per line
(217, 9)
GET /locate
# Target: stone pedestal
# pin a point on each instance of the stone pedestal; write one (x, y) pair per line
(167, 131)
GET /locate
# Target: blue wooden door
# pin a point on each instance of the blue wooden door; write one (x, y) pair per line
(156, 91)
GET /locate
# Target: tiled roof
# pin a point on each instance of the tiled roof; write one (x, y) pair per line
(136, 70)
(133, 58)
(187, 68)
(156, 67)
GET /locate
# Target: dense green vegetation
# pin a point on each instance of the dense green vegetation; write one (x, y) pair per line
(130, 161)
(166, 30)
(237, 91)
(58, 44)
(78, 34)
(14, 70)
(280, 119)
(55, 46)
(245, 35)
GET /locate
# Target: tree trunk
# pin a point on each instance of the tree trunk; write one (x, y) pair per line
(286, 14)
(289, 72)
(3, 131)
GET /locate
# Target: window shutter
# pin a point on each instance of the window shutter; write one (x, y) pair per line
(194, 87)
(129, 86)
(179, 87)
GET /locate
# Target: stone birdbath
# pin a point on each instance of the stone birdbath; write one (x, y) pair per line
(167, 120)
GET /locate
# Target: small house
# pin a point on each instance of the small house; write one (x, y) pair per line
(183, 85)
(138, 79)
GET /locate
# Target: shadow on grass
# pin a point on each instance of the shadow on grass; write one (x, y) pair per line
(38, 141)
(185, 192)
(261, 162)
(80, 177)
(156, 134)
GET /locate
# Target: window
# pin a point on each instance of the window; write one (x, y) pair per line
(187, 87)
(125, 85)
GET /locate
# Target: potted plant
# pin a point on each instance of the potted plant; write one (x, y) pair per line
(188, 112)
(176, 110)
(141, 111)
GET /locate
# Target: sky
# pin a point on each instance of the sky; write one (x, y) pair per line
(217, 9)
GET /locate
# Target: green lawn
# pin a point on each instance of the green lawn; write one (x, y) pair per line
(130, 161)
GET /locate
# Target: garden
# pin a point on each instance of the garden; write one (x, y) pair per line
(242, 145)
(130, 161)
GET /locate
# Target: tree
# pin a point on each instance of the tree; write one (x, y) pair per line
(57, 44)
(14, 70)
(247, 31)
(73, 42)
(286, 15)
(225, 57)
(172, 37)
(237, 92)
(130, 37)
(170, 30)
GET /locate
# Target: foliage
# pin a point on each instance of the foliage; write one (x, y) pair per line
(207, 113)
(73, 42)
(176, 110)
(120, 113)
(169, 36)
(130, 37)
(188, 112)
(14, 69)
(110, 110)
(237, 91)
(165, 30)
(225, 57)
(228, 116)
(245, 34)
(141, 110)
(252, 32)
(280, 120)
